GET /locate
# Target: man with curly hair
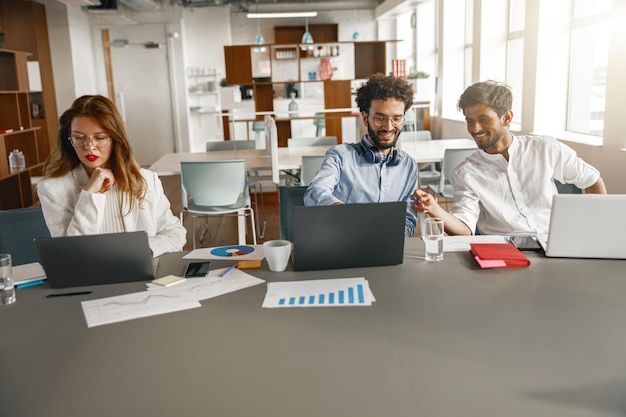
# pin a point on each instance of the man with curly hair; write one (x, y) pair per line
(373, 170)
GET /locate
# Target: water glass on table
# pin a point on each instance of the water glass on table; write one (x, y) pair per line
(433, 238)
(7, 288)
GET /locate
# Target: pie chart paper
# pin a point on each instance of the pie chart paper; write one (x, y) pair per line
(231, 252)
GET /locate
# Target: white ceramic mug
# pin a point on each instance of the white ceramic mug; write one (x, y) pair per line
(277, 253)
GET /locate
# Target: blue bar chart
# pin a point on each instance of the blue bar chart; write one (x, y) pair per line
(319, 293)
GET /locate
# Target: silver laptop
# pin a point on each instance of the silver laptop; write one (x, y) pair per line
(587, 226)
(76, 261)
(348, 235)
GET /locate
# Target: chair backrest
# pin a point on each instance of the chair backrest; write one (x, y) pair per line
(213, 183)
(314, 141)
(258, 126)
(310, 165)
(567, 188)
(228, 145)
(320, 121)
(18, 228)
(415, 136)
(409, 118)
(452, 158)
(288, 198)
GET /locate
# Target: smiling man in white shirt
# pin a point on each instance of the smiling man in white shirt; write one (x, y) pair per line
(506, 186)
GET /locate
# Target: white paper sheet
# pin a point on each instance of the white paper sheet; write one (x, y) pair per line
(28, 273)
(319, 293)
(137, 305)
(214, 285)
(462, 243)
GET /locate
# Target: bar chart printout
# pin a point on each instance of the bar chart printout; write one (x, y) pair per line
(319, 293)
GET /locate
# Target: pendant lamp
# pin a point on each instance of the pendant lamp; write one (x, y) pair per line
(307, 37)
(355, 35)
(258, 40)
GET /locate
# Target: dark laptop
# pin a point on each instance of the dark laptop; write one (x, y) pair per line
(76, 261)
(348, 235)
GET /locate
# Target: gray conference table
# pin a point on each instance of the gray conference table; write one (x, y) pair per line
(443, 340)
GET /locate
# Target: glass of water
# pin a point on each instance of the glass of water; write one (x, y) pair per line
(7, 289)
(433, 238)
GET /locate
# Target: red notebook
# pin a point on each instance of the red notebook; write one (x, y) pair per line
(498, 255)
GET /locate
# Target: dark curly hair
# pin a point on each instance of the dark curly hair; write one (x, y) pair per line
(492, 93)
(383, 87)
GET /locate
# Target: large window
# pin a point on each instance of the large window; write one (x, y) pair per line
(515, 57)
(456, 54)
(426, 56)
(588, 65)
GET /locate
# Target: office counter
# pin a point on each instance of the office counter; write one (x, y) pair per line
(442, 339)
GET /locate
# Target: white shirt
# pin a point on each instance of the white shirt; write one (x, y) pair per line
(70, 210)
(515, 196)
(347, 177)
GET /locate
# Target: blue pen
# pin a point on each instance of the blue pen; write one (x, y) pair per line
(29, 284)
(228, 271)
(417, 200)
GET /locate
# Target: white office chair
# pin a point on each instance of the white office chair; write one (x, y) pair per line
(310, 165)
(314, 141)
(427, 173)
(215, 188)
(451, 158)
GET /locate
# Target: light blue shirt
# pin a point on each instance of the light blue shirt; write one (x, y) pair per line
(347, 177)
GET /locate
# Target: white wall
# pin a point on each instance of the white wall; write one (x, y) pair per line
(71, 49)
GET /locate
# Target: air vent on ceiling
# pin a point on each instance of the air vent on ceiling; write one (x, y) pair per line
(80, 2)
(142, 5)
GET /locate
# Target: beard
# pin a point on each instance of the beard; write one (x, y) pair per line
(374, 138)
(494, 140)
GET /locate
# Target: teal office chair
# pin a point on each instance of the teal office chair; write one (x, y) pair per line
(18, 229)
(320, 124)
(227, 145)
(288, 198)
(258, 126)
(314, 141)
(409, 121)
(310, 165)
(428, 173)
(215, 188)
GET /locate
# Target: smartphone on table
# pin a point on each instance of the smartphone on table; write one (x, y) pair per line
(197, 269)
(526, 243)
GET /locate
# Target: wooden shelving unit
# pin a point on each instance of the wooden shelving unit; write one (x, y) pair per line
(369, 58)
(19, 133)
(24, 37)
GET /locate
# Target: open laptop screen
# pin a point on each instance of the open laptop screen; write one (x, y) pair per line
(75, 261)
(587, 226)
(348, 235)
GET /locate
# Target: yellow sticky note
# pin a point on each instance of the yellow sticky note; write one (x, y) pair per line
(169, 280)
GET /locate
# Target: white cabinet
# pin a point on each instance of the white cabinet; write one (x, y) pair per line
(205, 110)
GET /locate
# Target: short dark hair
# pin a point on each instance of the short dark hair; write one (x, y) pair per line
(492, 93)
(383, 87)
